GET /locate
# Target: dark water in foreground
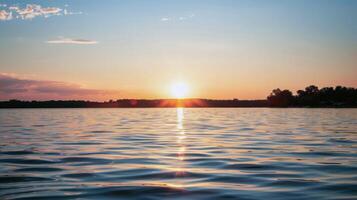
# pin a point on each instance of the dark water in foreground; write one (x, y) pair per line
(178, 153)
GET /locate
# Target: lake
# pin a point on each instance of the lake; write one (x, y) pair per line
(183, 153)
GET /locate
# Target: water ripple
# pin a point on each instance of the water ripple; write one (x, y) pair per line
(178, 153)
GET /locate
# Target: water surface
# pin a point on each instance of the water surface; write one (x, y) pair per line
(210, 153)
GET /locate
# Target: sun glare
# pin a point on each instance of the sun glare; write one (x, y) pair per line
(179, 90)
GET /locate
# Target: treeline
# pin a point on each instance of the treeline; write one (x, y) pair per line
(135, 103)
(312, 96)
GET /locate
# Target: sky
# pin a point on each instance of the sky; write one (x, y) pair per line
(221, 49)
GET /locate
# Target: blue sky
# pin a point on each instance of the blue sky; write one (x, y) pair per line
(222, 49)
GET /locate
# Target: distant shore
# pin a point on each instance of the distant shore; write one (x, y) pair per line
(310, 97)
(156, 103)
(135, 103)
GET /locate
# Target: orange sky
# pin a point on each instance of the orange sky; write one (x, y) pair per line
(220, 49)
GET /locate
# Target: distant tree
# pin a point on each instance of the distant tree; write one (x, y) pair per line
(280, 98)
(311, 90)
(326, 96)
(300, 93)
(345, 96)
(308, 97)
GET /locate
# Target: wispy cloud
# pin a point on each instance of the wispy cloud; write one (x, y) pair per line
(31, 11)
(186, 17)
(72, 41)
(16, 87)
(165, 19)
(181, 18)
(4, 15)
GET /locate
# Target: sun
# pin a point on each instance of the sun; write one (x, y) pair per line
(179, 90)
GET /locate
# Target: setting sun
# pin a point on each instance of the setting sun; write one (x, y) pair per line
(179, 90)
(204, 99)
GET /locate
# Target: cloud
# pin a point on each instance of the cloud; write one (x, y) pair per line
(4, 15)
(165, 19)
(31, 11)
(71, 41)
(16, 87)
(182, 18)
(187, 17)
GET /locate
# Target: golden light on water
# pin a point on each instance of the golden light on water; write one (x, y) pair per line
(179, 112)
(181, 142)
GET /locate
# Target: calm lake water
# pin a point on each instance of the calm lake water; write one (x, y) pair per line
(223, 153)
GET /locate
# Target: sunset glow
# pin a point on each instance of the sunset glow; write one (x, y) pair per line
(181, 99)
(179, 90)
(223, 49)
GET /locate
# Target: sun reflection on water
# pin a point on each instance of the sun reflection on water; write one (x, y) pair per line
(180, 118)
(181, 136)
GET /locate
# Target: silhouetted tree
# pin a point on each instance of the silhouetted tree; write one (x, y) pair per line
(311, 90)
(309, 97)
(280, 98)
(327, 97)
